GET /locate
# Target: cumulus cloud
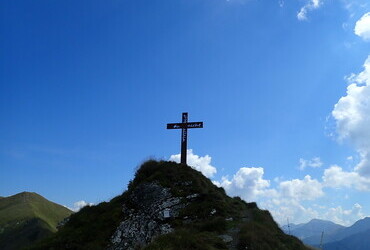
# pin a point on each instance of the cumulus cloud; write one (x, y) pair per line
(287, 208)
(352, 116)
(294, 199)
(298, 213)
(283, 201)
(343, 216)
(248, 183)
(313, 163)
(287, 202)
(309, 6)
(200, 163)
(335, 177)
(79, 204)
(289, 198)
(305, 189)
(362, 27)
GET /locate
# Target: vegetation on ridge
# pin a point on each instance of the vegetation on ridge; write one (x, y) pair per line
(208, 222)
(28, 217)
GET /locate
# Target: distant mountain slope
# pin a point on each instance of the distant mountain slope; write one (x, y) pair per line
(310, 232)
(171, 206)
(27, 217)
(356, 236)
(358, 241)
(358, 227)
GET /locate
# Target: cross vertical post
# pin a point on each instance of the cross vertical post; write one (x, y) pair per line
(184, 125)
(184, 138)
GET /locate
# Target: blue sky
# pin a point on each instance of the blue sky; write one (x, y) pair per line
(87, 87)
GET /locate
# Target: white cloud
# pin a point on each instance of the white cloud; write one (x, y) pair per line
(292, 198)
(79, 204)
(352, 116)
(298, 213)
(313, 163)
(288, 201)
(305, 189)
(200, 163)
(335, 177)
(248, 183)
(292, 209)
(283, 201)
(362, 28)
(309, 6)
(343, 216)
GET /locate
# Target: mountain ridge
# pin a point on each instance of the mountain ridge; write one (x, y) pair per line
(171, 206)
(27, 217)
(310, 232)
(336, 237)
(349, 233)
(358, 241)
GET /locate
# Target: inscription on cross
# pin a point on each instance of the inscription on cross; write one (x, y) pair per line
(184, 125)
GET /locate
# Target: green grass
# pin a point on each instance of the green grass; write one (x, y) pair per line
(197, 227)
(27, 205)
(184, 181)
(263, 233)
(183, 239)
(28, 217)
(90, 228)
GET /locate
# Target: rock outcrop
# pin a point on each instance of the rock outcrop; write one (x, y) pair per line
(155, 207)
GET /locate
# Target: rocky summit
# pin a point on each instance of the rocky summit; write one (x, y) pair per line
(171, 206)
(150, 219)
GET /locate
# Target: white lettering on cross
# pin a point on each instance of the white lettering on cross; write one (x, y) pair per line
(184, 125)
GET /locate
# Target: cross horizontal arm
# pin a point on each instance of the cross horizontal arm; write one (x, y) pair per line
(185, 125)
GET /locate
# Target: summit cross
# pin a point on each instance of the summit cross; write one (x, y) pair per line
(184, 133)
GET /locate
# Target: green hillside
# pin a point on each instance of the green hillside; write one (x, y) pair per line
(205, 217)
(27, 217)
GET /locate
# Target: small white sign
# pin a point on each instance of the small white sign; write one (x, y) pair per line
(166, 213)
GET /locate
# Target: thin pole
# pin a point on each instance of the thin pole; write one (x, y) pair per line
(322, 237)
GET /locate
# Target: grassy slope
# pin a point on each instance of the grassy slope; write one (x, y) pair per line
(92, 227)
(27, 217)
(27, 205)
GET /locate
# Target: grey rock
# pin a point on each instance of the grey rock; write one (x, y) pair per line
(63, 222)
(192, 196)
(226, 238)
(150, 219)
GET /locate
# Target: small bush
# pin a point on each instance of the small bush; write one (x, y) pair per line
(217, 224)
(186, 240)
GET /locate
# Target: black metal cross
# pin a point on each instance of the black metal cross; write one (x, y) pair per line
(184, 133)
